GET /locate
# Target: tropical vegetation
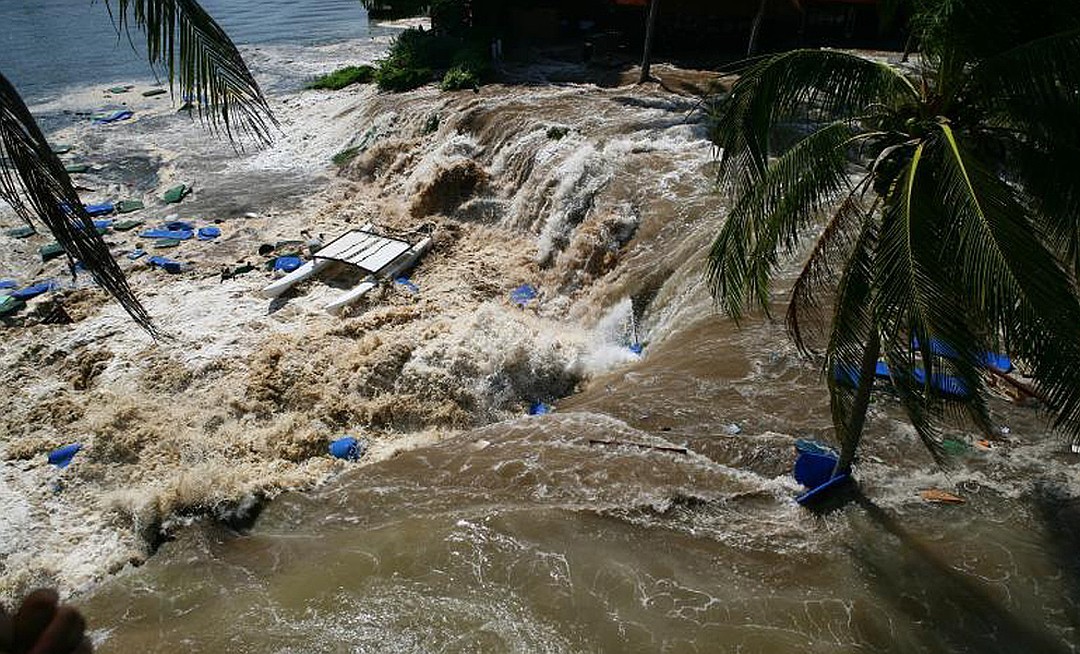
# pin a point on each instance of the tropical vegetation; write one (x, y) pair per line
(342, 77)
(943, 204)
(200, 62)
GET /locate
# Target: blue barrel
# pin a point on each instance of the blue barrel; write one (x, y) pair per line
(348, 448)
(61, 457)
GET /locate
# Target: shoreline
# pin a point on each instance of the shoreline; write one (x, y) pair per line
(202, 424)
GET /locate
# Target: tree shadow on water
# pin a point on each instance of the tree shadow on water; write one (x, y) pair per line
(959, 613)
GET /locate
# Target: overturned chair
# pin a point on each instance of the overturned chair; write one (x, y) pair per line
(382, 257)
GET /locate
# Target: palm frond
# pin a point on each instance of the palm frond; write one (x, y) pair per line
(200, 59)
(801, 85)
(1024, 291)
(33, 181)
(916, 302)
(819, 272)
(1046, 176)
(853, 345)
(1034, 87)
(767, 217)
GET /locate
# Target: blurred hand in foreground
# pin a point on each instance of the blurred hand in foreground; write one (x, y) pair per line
(42, 626)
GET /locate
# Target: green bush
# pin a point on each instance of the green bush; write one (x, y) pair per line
(415, 53)
(393, 77)
(343, 77)
(458, 78)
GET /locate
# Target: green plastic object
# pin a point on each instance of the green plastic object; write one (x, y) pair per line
(119, 89)
(125, 225)
(152, 92)
(166, 243)
(127, 206)
(77, 168)
(9, 305)
(176, 193)
(953, 446)
(61, 148)
(50, 251)
(21, 232)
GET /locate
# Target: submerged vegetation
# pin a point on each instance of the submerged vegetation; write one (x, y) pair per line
(343, 77)
(951, 210)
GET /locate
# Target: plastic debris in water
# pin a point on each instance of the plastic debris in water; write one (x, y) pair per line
(407, 283)
(348, 448)
(523, 294)
(168, 265)
(636, 348)
(939, 496)
(61, 457)
(539, 408)
(208, 233)
(287, 264)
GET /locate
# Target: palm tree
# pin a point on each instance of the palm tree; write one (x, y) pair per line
(200, 62)
(945, 202)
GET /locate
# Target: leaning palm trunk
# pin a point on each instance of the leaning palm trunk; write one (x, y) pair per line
(200, 59)
(946, 201)
(650, 29)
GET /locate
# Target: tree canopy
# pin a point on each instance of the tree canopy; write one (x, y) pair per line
(945, 201)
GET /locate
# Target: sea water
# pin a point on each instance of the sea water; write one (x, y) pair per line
(585, 530)
(48, 46)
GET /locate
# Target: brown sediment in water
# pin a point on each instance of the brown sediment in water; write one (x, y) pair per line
(242, 400)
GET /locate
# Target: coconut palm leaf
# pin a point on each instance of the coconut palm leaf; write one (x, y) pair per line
(1030, 87)
(818, 277)
(802, 85)
(851, 355)
(33, 181)
(766, 220)
(201, 62)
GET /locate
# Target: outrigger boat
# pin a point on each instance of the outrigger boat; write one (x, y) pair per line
(382, 257)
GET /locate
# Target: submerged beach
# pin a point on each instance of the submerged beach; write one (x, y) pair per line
(652, 510)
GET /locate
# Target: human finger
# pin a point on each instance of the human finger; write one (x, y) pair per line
(34, 616)
(5, 630)
(63, 634)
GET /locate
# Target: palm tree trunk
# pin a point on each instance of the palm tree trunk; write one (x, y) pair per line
(646, 60)
(755, 29)
(862, 401)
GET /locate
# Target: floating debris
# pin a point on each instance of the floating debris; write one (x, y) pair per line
(127, 206)
(176, 193)
(939, 496)
(348, 448)
(523, 294)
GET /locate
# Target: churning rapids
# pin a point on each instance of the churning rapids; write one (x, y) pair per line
(471, 526)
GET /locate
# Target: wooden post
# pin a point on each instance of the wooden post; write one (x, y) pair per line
(646, 60)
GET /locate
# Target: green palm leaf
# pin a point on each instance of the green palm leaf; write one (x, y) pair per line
(802, 85)
(817, 278)
(766, 220)
(853, 345)
(200, 59)
(33, 181)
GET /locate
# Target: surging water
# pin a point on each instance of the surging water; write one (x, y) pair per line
(589, 529)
